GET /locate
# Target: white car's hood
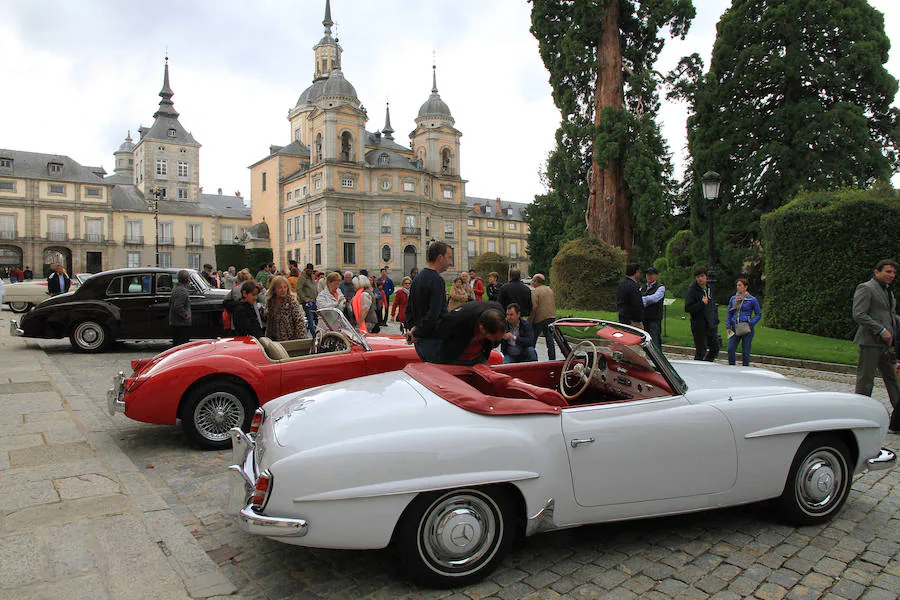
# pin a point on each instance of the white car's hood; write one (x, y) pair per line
(335, 413)
(707, 380)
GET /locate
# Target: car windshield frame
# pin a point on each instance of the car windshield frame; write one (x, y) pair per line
(622, 343)
(334, 320)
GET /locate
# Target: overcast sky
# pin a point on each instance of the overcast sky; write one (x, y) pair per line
(78, 75)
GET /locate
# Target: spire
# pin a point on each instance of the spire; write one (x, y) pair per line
(166, 106)
(327, 22)
(433, 78)
(388, 130)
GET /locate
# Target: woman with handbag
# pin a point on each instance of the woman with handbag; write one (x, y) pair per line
(743, 314)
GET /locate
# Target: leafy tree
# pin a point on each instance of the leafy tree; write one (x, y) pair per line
(600, 55)
(796, 98)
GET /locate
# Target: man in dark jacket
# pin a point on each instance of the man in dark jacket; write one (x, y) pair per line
(180, 310)
(468, 333)
(700, 304)
(428, 303)
(516, 291)
(58, 282)
(652, 295)
(518, 341)
(628, 297)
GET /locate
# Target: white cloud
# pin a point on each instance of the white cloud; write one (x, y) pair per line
(77, 75)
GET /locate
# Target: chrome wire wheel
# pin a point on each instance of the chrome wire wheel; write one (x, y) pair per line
(460, 532)
(820, 481)
(216, 413)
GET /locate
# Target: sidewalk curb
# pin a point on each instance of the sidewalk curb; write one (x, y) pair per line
(814, 365)
(189, 561)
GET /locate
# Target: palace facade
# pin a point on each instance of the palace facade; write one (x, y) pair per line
(345, 198)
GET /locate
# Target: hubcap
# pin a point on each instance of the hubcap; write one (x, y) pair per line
(460, 533)
(89, 336)
(216, 414)
(819, 480)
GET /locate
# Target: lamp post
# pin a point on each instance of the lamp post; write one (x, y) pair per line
(710, 183)
(156, 194)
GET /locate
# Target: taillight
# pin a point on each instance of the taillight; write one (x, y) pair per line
(257, 421)
(261, 491)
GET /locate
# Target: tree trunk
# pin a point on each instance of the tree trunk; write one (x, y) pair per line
(608, 213)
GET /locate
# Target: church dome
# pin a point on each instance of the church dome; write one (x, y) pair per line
(310, 94)
(127, 145)
(434, 106)
(336, 85)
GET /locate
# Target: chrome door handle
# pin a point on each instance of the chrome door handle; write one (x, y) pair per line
(576, 442)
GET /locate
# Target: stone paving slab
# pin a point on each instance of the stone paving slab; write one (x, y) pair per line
(77, 518)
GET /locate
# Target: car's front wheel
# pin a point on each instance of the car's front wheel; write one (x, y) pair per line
(89, 336)
(456, 537)
(20, 307)
(818, 482)
(212, 409)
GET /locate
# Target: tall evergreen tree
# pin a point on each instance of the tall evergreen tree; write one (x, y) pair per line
(600, 55)
(796, 97)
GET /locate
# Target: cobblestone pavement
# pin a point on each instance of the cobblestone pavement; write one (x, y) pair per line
(733, 553)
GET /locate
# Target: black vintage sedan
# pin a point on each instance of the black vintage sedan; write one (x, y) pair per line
(123, 304)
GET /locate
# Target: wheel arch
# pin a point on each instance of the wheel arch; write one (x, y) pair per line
(847, 436)
(230, 377)
(510, 488)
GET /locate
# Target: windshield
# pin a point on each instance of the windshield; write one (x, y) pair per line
(199, 282)
(331, 319)
(620, 343)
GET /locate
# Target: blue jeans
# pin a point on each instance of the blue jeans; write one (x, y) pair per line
(310, 309)
(529, 354)
(745, 341)
(543, 328)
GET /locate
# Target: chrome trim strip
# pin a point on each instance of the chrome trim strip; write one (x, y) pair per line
(257, 524)
(886, 459)
(543, 520)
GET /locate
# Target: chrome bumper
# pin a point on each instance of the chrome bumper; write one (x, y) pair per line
(242, 482)
(115, 395)
(886, 459)
(14, 329)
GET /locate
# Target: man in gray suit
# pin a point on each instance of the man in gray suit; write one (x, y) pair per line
(875, 311)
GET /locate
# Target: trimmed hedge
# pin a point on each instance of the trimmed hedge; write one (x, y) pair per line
(817, 249)
(585, 273)
(229, 255)
(485, 263)
(239, 257)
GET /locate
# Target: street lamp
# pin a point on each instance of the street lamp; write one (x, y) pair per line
(710, 184)
(153, 203)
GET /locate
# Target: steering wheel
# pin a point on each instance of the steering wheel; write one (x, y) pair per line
(331, 341)
(580, 372)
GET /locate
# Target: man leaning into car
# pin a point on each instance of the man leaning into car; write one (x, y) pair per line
(180, 310)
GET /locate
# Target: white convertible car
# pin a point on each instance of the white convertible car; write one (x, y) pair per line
(449, 464)
(22, 296)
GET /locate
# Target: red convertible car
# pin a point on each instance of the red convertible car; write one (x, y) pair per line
(214, 385)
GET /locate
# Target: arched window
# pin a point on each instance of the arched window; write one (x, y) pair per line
(446, 161)
(384, 159)
(385, 222)
(318, 147)
(346, 146)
